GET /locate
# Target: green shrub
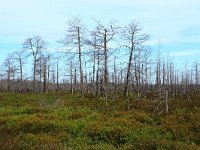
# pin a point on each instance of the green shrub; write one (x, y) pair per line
(34, 124)
(116, 135)
(100, 146)
(70, 123)
(121, 121)
(75, 115)
(94, 131)
(142, 117)
(152, 144)
(63, 137)
(76, 127)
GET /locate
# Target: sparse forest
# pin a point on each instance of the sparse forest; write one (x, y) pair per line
(103, 88)
(109, 62)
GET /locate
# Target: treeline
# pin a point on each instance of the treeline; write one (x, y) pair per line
(107, 61)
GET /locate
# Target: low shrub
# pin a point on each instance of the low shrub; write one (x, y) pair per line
(142, 117)
(116, 135)
(34, 124)
(94, 131)
(76, 127)
(75, 115)
(70, 123)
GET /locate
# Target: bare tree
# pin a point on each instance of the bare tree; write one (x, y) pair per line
(57, 76)
(134, 39)
(95, 44)
(106, 33)
(35, 45)
(10, 71)
(19, 56)
(75, 40)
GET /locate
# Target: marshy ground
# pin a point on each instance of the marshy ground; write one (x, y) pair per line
(62, 121)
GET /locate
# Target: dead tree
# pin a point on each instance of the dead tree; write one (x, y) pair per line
(106, 33)
(10, 71)
(35, 45)
(161, 102)
(134, 39)
(45, 76)
(48, 65)
(74, 40)
(95, 44)
(19, 56)
(57, 76)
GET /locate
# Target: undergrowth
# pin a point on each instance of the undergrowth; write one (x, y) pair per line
(62, 121)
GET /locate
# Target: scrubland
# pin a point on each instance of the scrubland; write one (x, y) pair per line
(63, 121)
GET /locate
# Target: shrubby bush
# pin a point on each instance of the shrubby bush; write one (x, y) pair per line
(77, 124)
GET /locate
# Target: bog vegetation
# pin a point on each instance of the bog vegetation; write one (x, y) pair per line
(103, 89)
(62, 121)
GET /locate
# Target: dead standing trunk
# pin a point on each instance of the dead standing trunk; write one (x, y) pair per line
(106, 33)
(134, 41)
(44, 77)
(105, 67)
(35, 45)
(34, 75)
(80, 63)
(128, 71)
(21, 74)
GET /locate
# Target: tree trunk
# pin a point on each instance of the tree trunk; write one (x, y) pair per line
(80, 64)
(34, 75)
(44, 82)
(128, 71)
(21, 75)
(57, 78)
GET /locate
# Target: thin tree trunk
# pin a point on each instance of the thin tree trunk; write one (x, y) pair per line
(128, 71)
(71, 79)
(97, 75)
(105, 67)
(80, 64)
(34, 75)
(57, 78)
(21, 74)
(44, 82)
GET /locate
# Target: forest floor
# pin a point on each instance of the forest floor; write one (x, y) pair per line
(62, 121)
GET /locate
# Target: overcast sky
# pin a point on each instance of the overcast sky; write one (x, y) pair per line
(174, 24)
